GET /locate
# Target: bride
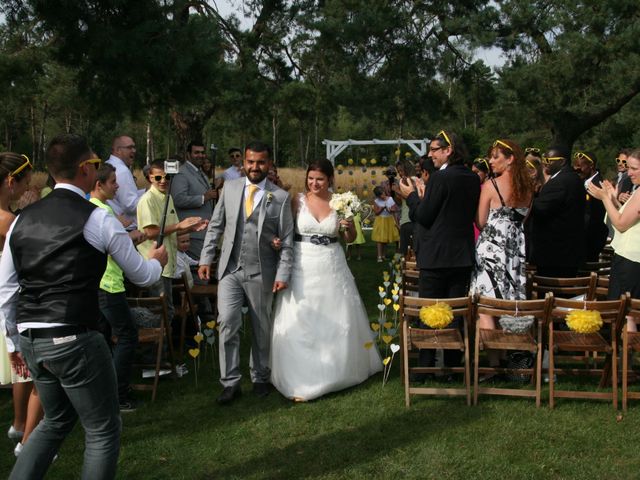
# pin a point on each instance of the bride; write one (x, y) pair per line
(320, 324)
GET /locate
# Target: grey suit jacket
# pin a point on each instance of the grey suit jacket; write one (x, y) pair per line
(187, 189)
(275, 220)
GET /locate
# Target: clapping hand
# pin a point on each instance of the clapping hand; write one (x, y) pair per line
(193, 224)
(606, 190)
(406, 187)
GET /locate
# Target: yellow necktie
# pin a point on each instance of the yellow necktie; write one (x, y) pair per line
(248, 203)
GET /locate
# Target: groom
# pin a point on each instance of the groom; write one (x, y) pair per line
(250, 214)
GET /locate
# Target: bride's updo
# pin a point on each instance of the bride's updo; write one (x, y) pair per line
(324, 166)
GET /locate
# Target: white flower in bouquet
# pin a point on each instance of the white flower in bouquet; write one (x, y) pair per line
(347, 204)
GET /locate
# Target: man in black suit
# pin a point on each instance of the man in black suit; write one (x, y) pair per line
(557, 216)
(586, 166)
(445, 247)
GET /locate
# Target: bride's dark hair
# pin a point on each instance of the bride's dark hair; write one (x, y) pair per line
(324, 166)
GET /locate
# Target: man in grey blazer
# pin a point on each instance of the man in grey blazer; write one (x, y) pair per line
(192, 195)
(251, 213)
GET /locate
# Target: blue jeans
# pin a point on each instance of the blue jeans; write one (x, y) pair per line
(75, 379)
(115, 309)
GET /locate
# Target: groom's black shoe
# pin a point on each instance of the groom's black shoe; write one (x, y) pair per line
(229, 394)
(261, 389)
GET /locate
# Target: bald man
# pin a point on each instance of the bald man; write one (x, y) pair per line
(124, 204)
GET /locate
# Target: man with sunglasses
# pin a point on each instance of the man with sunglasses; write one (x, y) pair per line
(55, 255)
(235, 170)
(624, 186)
(557, 218)
(586, 166)
(124, 204)
(445, 246)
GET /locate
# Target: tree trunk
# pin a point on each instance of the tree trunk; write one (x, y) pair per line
(45, 114)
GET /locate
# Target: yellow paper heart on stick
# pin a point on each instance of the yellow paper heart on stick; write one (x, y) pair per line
(194, 352)
(387, 338)
(387, 324)
(211, 324)
(368, 345)
(386, 360)
(198, 337)
(396, 307)
(375, 327)
(387, 301)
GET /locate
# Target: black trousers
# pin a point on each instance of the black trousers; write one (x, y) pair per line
(444, 283)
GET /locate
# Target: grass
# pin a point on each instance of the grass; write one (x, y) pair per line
(363, 432)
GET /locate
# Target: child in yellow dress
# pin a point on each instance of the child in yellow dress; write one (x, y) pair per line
(385, 229)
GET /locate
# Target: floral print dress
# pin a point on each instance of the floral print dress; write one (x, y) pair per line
(500, 254)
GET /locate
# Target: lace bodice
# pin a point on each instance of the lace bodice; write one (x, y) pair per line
(306, 224)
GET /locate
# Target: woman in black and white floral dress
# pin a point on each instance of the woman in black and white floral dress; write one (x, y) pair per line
(500, 250)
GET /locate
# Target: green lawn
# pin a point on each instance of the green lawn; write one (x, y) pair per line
(362, 432)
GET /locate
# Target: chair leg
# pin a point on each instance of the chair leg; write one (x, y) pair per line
(551, 371)
(538, 374)
(625, 367)
(405, 362)
(156, 377)
(467, 371)
(476, 363)
(614, 372)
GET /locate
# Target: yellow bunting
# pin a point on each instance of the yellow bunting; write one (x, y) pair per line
(437, 316)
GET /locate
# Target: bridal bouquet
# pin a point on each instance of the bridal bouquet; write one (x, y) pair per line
(347, 205)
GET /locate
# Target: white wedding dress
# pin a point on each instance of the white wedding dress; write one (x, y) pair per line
(320, 324)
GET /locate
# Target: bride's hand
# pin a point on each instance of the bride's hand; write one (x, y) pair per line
(276, 243)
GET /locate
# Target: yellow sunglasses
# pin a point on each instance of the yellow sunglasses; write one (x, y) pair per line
(442, 134)
(621, 161)
(26, 164)
(532, 150)
(481, 160)
(500, 143)
(548, 160)
(94, 161)
(531, 165)
(583, 155)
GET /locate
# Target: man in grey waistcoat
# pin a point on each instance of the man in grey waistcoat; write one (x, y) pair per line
(251, 213)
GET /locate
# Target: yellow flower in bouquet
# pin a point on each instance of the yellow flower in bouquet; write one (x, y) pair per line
(584, 321)
(437, 316)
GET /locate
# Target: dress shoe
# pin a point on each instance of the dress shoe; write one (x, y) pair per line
(229, 394)
(261, 389)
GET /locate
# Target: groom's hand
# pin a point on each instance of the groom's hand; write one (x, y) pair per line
(204, 271)
(277, 286)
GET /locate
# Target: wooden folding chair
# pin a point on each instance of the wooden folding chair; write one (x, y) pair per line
(500, 339)
(612, 313)
(602, 287)
(414, 339)
(158, 336)
(602, 267)
(630, 344)
(186, 309)
(563, 287)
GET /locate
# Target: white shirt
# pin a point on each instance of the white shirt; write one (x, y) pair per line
(103, 232)
(231, 173)
(127, 196)
(259, 192)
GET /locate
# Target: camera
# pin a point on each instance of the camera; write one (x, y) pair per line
(171, 167)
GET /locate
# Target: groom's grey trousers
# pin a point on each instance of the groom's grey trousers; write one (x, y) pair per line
(233, 288)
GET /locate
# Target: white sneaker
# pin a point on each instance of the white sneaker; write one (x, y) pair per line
(14, 434)
(18, 449)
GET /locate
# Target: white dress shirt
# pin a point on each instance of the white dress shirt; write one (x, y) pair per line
(126, 199)
(231, 173)
(103, 232)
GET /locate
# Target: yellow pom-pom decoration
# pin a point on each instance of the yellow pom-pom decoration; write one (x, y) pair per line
(373, 161)
(584, 321)
(407, 154)
(437, 316)
(363, 161)
(350, 161)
